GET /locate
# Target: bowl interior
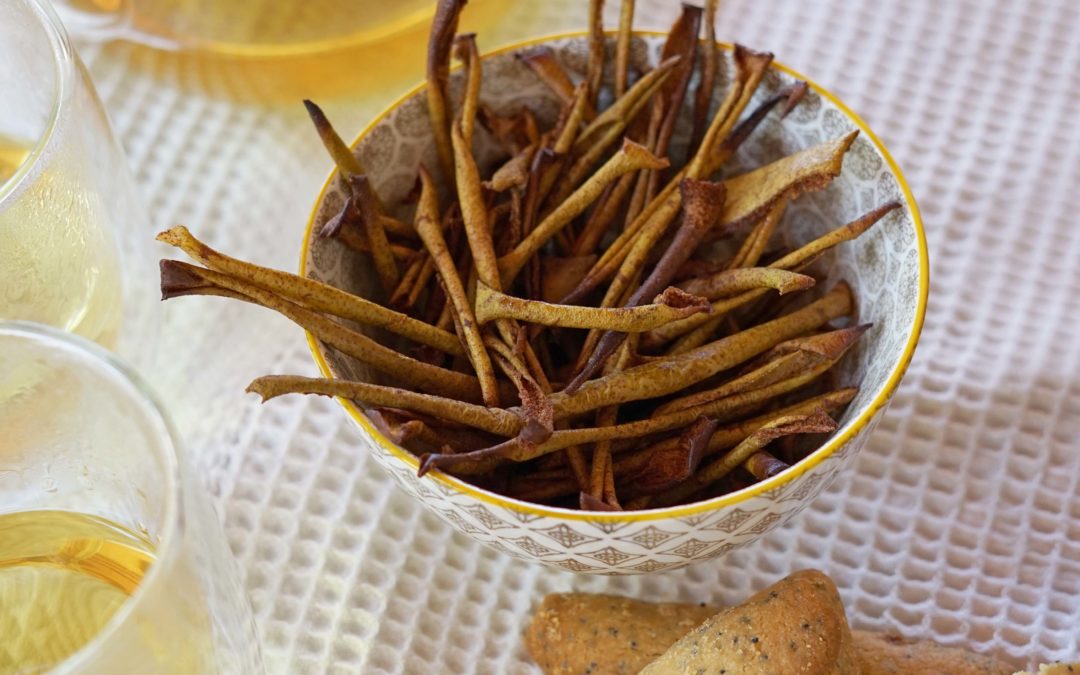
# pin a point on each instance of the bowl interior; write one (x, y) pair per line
(885, 266)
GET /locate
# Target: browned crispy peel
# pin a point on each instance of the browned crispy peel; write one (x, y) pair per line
(493, 420)
(703, 202)
(351, 169)
(513, 132)
(817, 422)
(429, 228)
(786, 360)
(647, 227)
(630, 463)
(631, 157)
(622, 47)
(710, 62)
(682, 42)
(652, 379)
(751, 194)
(669, 306)
(440, 42)
(622, 111)
(749, 197)
(313, 294)
(668, 375)
(763, 465)
(541, 60)
(381, 256)
(700, 331)
(468, 52)
(353, 343)
(595, 73)
(727, 283)
(343, 157)
(722, 409)
(669, 467)
(567, 326)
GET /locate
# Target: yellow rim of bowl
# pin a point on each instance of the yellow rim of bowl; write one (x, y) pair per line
(796, 470)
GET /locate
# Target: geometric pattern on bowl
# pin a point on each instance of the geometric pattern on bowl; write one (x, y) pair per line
(886, 267)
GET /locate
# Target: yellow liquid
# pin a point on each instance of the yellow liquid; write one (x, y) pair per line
(265, 27)
(58, 262)
(372, 49)
(62, 577)
(12, 155)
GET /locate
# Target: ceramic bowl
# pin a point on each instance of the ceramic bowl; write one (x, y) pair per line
(887, 269)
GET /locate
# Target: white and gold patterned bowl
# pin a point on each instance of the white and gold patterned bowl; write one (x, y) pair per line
(887, 268)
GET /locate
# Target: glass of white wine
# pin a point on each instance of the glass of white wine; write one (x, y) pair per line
(111, 557)
(75, 248)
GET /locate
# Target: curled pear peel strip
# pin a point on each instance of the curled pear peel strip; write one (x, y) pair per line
(382, 257)
(514, 173)
(440, 42)
(175, 274)
(682, 41)
(762, 464)
(670, 306)
(622, 47)
(408, 280)
(594, 73)
(313, 294)
(590, 155)
(676, 464)
(728, 283)
(602, 466)
(643, 183)
(492, 420)
(602, 217)
(349, 167)
(710, 64)
(346, 162)
(541, 60)
(564, 142)
(535, 406)
(749, 196)
(474, 211)
(428, 227)
(355, 240)
(731, 435)
(427, 270)
(467, 52)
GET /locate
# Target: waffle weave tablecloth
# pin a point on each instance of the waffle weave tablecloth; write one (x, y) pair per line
(961, 519)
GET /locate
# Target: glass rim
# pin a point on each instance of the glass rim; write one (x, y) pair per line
(63, 59)
(97, 357)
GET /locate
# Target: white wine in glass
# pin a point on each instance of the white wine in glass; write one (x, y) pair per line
(63, 576)
(75, 250)
(111, 557)
(59, 264)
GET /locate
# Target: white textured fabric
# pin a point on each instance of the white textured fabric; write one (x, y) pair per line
(961, 519)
